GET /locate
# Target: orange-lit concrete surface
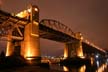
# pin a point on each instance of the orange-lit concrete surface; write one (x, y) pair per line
(74, 48)
(30, 46)
(10, 45)
(79, 49)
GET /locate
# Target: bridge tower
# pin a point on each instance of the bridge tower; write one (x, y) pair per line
(74, 48)
(30, 45)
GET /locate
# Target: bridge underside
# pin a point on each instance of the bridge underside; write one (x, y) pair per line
(89, 49)
(48, 33)
(10, 23)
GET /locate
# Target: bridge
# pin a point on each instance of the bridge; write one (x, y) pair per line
(23, 31)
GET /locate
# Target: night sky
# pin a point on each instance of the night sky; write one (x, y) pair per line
(90, 17)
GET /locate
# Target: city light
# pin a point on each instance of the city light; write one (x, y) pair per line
(29, 10)
(23, 14)
(97, 62)
(36, 9)
(97, 56)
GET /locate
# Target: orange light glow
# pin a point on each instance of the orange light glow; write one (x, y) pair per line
(65, 55)
(7, 52)
(82, 69)
(10, 49)
(36, 35)
(36, 9)
(92, 60)
(28, 54)
(23, 14)
(80, 52)
(65, 52)
(101, 68)
(29, 10)
(65, 68)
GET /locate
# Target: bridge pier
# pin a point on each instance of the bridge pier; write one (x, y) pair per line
(74, 48)
(31, 47)
(31, 44)
(10, 48)
(13, 47)
(10, 45)
(67, 50)
(79, 49)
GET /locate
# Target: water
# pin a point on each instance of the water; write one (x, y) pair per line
(103, 67)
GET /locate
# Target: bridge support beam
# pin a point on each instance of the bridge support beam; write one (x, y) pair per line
(10, 45)
(13, 47)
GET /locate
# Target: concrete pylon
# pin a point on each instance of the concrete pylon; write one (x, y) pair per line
(73, 48)
(31, 44)
(67, 50)
(10, 45)
(13, 46)
(78, 43)
(78, 48)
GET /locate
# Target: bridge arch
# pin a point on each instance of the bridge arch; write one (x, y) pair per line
(58, 26)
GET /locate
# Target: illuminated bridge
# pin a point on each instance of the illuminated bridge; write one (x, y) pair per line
(23, 31)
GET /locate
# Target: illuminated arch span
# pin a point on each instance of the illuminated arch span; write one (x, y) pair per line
(56, 25)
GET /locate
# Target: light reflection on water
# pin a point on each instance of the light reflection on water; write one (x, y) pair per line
(102, 68)
(83, 68)
(65, 68)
